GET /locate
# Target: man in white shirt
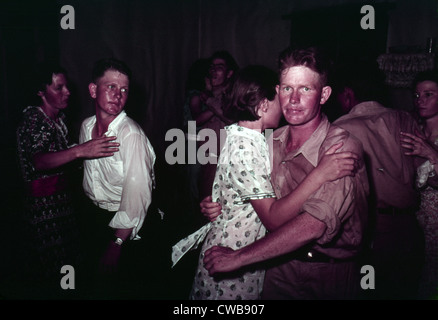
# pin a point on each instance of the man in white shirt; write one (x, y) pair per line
(121, 185)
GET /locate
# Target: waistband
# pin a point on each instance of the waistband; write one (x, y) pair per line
(316, 256)
(47, 186)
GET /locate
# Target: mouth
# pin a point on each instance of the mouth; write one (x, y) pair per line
(293, 110)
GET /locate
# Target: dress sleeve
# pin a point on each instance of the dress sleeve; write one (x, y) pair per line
(250, 171)
(39, 135)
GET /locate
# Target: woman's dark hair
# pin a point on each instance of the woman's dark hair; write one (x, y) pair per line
(250, 87)
(196, 75)
(41, 76)
(101, 66)
(44, 73)
(429, 75)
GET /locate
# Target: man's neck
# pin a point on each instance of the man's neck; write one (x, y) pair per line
(298, 135)
(102, 123)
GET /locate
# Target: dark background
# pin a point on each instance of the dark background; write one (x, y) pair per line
(160, 39)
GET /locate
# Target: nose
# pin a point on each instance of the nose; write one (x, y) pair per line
(294, 97)
(118, 93)
(419, 100)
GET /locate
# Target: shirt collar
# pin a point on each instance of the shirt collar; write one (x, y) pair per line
(114, 124)
(310, 148)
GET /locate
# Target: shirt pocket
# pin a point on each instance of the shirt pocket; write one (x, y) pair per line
(112, 171)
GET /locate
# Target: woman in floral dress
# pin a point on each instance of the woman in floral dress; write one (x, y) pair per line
(242, 178)
(425, 145)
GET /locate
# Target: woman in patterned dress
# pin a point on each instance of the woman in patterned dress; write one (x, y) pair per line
(44, 153)
(242, 182)
(425, 145)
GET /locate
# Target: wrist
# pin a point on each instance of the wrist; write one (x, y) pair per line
(118, 241)
(77, 151)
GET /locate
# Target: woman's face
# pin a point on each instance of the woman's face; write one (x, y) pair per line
(56, 94)
(426, 99)
(273, 114)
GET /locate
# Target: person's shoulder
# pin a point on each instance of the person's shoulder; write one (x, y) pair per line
(32, 117)
(337, 134)
(32, 112)
(130, 126)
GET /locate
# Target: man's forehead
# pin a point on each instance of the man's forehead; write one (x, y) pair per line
(299, 72)
(218, 62)
(114, 75)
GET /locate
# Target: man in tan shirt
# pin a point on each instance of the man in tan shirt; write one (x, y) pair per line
(316, 251)
(395, 237)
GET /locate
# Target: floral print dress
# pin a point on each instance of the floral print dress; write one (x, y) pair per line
(428, 219)
(50, 224)
(243, 173)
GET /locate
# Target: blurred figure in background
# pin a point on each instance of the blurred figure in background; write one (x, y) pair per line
(424, 144)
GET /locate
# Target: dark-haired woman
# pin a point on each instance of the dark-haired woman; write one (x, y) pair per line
(44, 153)
(425, 145)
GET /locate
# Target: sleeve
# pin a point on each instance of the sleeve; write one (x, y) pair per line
(138, 160)
(38, 135)
(336, 201)
(250, 172)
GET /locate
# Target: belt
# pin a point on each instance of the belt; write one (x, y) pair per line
(394, 211)
(47, 186)
(315, 256)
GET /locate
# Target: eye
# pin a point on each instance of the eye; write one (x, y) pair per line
(124, 90)
(306, 89)
(287, 89)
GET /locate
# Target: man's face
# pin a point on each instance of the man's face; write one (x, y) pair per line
(56, 94)
(426, 99)
(219, 73)
(301, 95)
(110, 92)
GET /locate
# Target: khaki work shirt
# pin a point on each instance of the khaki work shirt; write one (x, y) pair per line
(340, 204)
(391, 172)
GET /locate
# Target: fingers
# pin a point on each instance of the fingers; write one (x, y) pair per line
(334, 147)
(212, 215)
(213, 259)
(207, 199)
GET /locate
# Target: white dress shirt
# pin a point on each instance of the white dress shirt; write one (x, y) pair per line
(124, 181)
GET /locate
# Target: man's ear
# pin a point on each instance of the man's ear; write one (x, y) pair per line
(325, 94)
(229, 74)
(92, 87)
